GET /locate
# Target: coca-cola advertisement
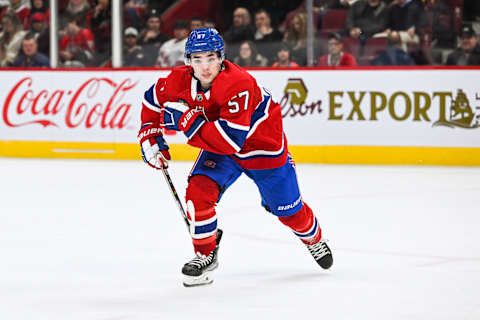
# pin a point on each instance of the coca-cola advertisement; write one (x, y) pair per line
(82, 106)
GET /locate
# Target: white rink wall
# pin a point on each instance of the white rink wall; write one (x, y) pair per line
(325, 111)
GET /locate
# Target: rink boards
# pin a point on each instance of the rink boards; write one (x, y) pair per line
(363, 116)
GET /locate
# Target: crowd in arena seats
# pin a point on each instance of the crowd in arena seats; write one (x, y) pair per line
(257, 34)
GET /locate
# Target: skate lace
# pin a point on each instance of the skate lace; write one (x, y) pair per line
(201, 260)
(318, 250)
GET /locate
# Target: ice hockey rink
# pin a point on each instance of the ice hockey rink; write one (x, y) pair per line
(103, 240)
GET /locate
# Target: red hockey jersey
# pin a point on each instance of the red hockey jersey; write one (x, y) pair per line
(242, 119)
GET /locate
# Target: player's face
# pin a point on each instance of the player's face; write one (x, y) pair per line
(206, 66)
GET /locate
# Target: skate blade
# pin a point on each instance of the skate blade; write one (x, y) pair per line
(204, 279)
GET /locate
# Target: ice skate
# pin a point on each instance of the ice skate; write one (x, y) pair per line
(199, 270)
(321, 253)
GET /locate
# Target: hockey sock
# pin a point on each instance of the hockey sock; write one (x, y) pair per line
(202, 195)
(304, 224)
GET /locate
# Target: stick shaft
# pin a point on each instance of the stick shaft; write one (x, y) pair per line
(175, 196)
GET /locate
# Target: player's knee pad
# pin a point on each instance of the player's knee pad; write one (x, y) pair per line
(203, 192)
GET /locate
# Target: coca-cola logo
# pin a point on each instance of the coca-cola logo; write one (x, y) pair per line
(98, 102)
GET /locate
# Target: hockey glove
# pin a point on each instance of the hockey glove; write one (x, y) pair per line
(171, 114)
(177, 116)
(154, 148)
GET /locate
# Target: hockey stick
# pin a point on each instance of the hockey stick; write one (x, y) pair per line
(180, 205)
(175, 196)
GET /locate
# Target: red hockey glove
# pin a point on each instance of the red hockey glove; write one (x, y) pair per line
(191, 121)
(177, 116)
(154, 148)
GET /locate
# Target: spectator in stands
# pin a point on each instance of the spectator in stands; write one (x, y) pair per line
(10, 38)
(249, 57)
(209, 24)
(100, 22)
(468, 54)
(283, 57)
(133, 55)
(286, 24)
(172, 52)
(77, 47)
(393, 55)
(133, 10)
(151, 38)
(366, 18)
(296, 38)
(74, 8)
(408, 17)
(40, 6)
(4, 5)
(240, 30)
(37, 24)
(196, 22)
(336, 57)
(323, 6)
(43, 40)
(22, 11)
(29, 57)
(444, 37)
(266, 37)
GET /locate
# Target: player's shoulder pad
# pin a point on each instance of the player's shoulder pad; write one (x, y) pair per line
(235, 79)
(171, 83)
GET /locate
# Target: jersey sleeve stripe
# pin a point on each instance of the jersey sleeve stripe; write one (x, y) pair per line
(260, 114)
(197, 124)
(149, 101)
(225, 136)
(235, 135)
(236, 126)
(157, 89)
(151, 107)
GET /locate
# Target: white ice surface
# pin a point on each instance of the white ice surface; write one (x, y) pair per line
(103, 240)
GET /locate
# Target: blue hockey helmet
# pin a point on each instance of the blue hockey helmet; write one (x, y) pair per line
(203, 40)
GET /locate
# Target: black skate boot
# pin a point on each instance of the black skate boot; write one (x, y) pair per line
(321, 253)
(199, 270)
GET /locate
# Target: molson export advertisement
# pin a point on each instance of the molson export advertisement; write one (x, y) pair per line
(330, 116)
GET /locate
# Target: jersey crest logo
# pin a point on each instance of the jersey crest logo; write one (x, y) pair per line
(210, 164)
(199, 97)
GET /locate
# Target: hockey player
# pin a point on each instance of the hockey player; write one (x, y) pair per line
(237, 126)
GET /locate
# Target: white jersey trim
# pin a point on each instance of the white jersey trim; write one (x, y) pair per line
(262, 152)
(265, 116)
(205, 222)
(193, 88)
(236, 126)
(155, 98)
(151, 106)
(203, 235)
(226, 137)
